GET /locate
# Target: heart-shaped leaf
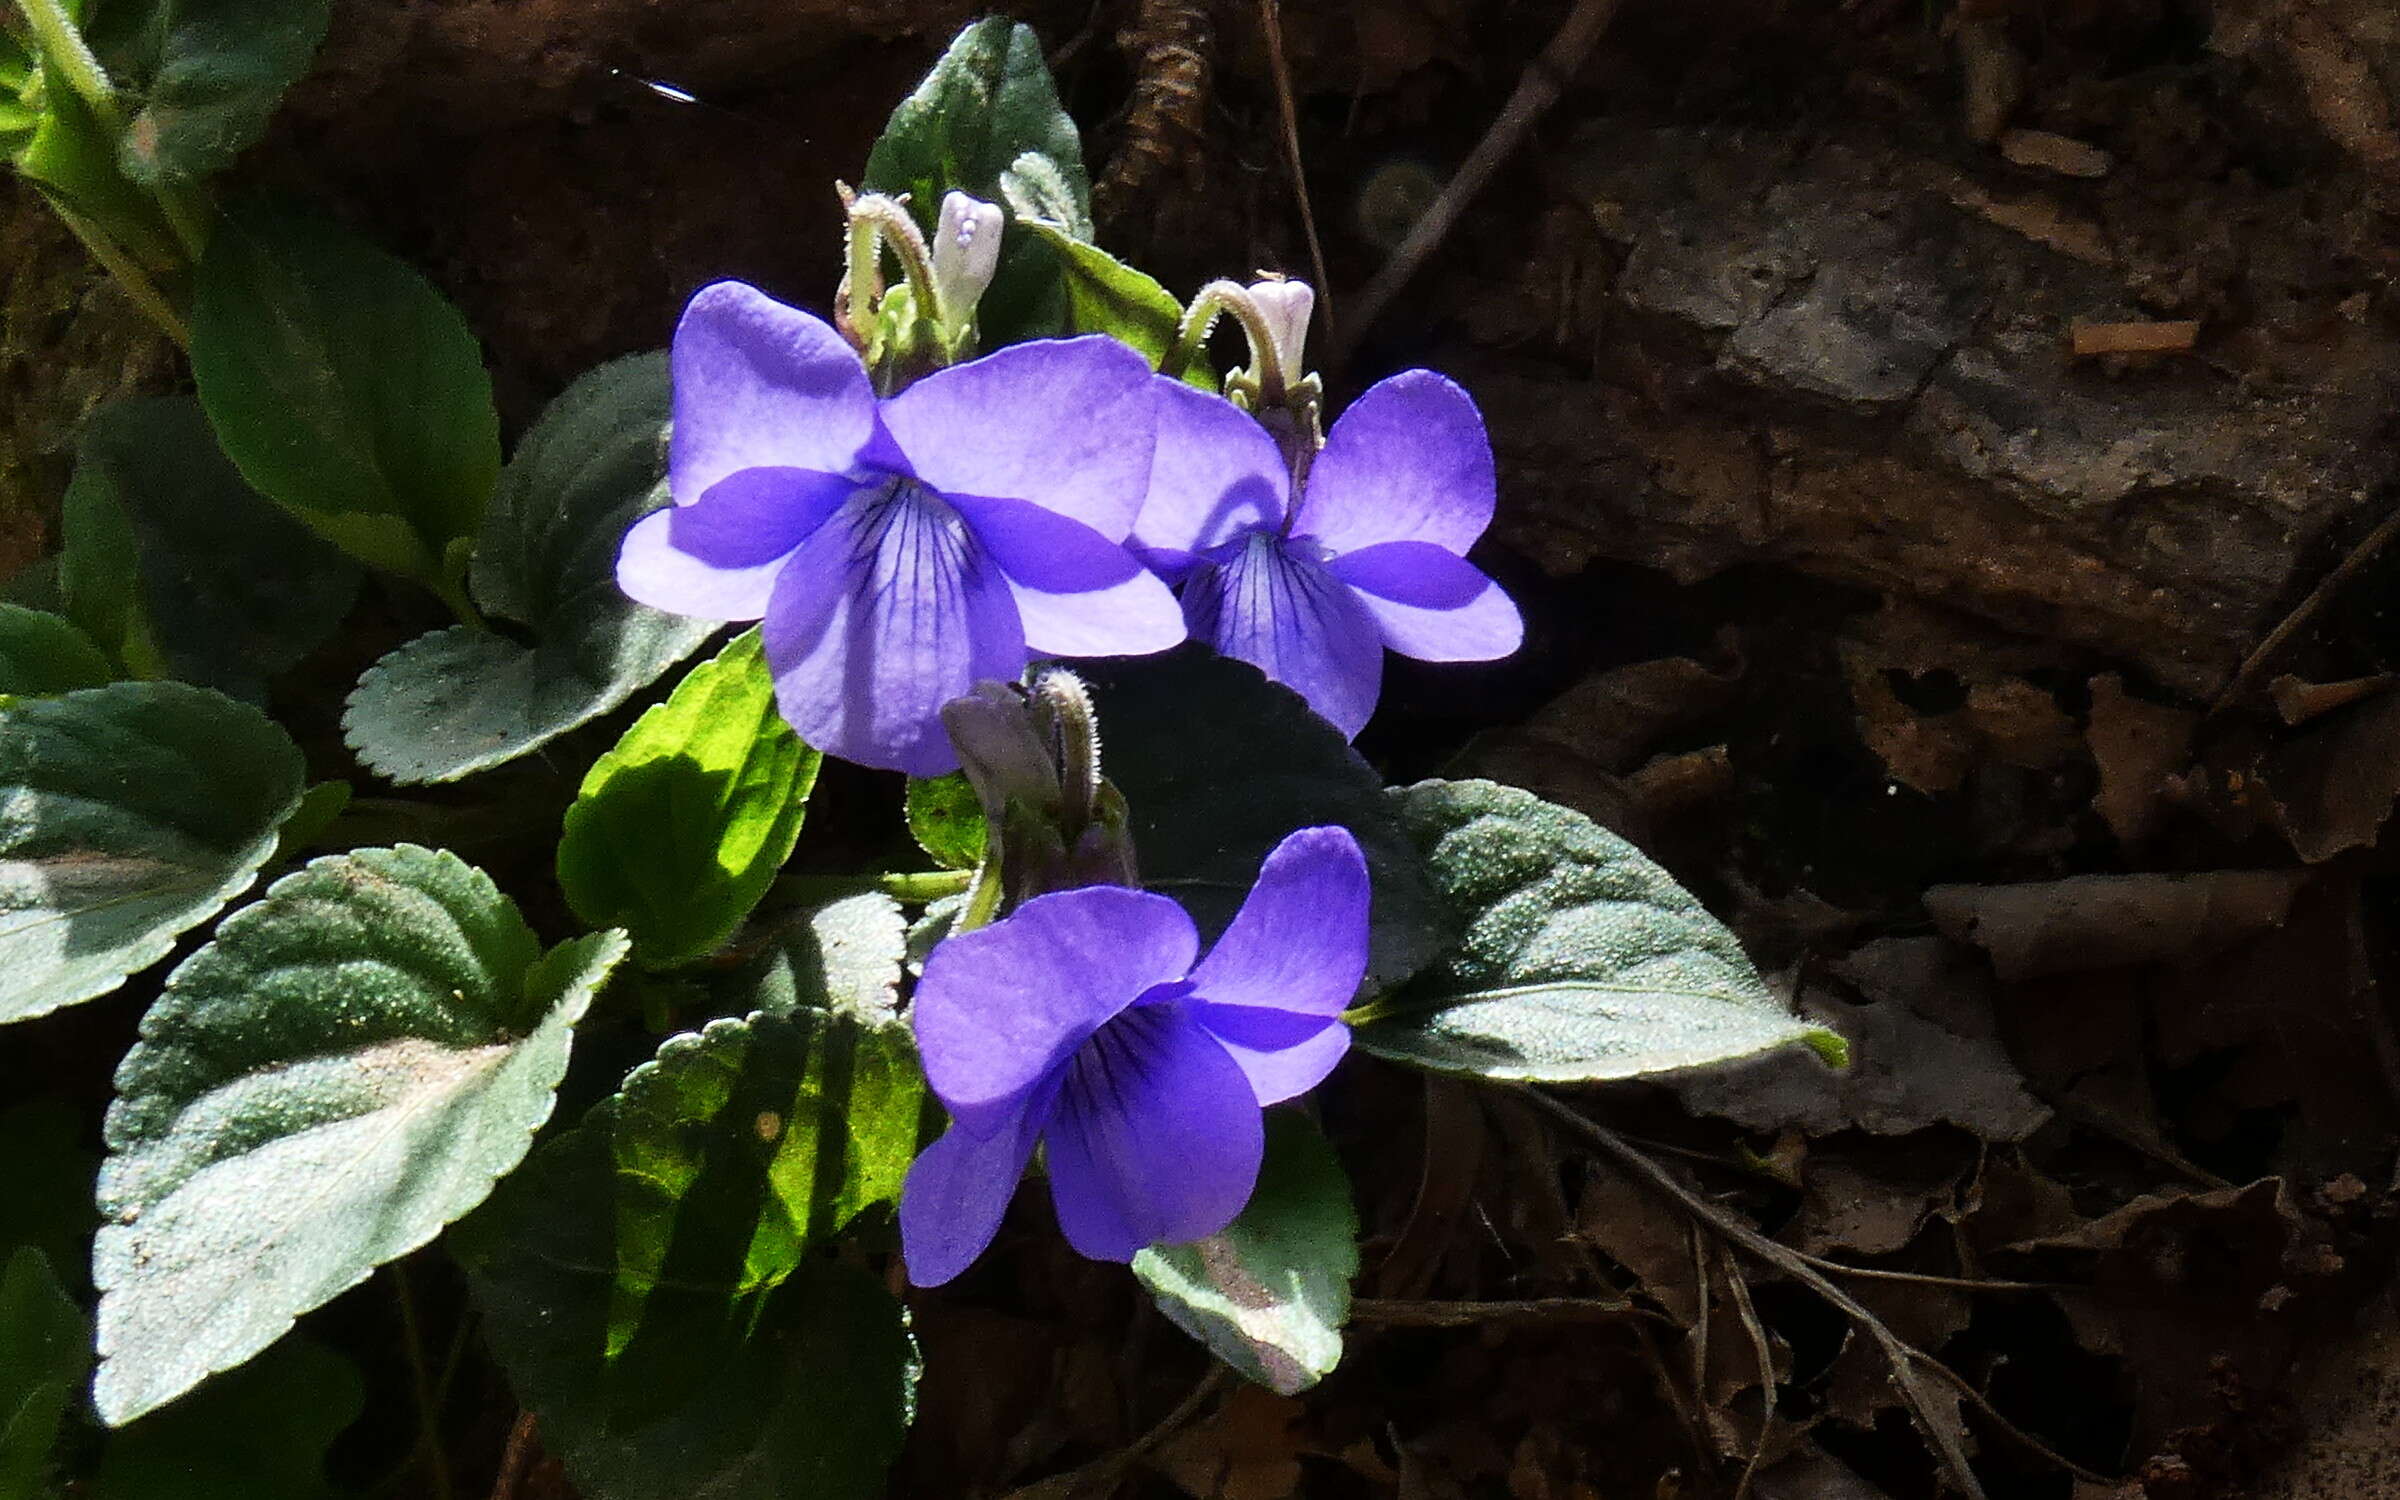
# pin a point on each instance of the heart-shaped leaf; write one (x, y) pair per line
(1269, 1294)
(41, 653)
(1580, 959)
(1217, 764)
(346, 389)
(680, 829)
(461, 700)
(647, 1284)
(135, 812)
(348, 1067)
(176, 566)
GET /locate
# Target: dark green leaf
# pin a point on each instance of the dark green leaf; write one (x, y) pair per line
(1105, 295)
(48, 1204)
(646, 1280)
(1269, 1295)
(346, 389)
(1217, 764)
(136, 811)
(989, 110)
(214, 74)
(171, 558)
(63, 148)
(459, 700)
(45, 1350)
(41, 654)
(348, 1067)
(843, 957)
(680, 829)
(257, 1433)
(947, 821)
(1580, 959)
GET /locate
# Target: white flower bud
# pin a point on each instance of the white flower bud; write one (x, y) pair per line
(966, 250)
(1286, 306)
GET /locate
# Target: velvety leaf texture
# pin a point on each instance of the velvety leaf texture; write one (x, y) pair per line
(172, 561)
(345, 388)
(1217, 764)
(218, 70)
(647, 1281)
(1269, 1295)
(844, 957)
(135, 811)
(459, 701)
(45, 1348)
(1580, 959)
(348, 1067)
(678, 830)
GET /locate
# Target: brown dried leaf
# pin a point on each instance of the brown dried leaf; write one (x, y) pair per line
(2101, 921)
(2334, 786)
(2135, 744)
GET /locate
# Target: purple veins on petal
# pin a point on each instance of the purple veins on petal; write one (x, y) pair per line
(1286, 615)
(1080, 1020)
(1215, 475)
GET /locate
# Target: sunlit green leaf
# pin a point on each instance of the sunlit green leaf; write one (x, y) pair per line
(946, 820)
(842, 957)
(348, 1067)
(1105, 295)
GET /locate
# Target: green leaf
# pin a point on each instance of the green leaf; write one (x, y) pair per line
(42, 654)
(348, 1067)
(459, 700)
(988, 110)
(346, 389)
(215, 72)
(680, 829)
(646, 1281)
(261, 1432)
(174, 564)
(135, 812)
(57, 143)
(1105, 295)
(1217, 764)
(946, 820)
(844, 957)
(45, 1350)
(1270, 1293)
(1581, 959)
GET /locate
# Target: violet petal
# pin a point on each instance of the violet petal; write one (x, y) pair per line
(1078, 593)
(1430, 604)
(1295, 622)
(1216, 474)
(761, 385)
(1407, 462)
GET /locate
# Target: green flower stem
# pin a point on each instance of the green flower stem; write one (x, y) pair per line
(64, 48)
(1266, 361)
(916, 887)
(128, 273)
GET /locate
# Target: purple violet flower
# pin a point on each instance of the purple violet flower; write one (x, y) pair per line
(1371, 554)
(1080, 1020)
(900, 550)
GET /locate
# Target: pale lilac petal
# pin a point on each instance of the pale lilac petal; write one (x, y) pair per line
(1078, 593)
(1215, 475)
(1064, 423)
(1283, 1053)
(1408, 462)
(958, 1191)
(1299, 943)
(1295, 622)
(1430, 604)
(887, 612)
(1156, 1137)
(717, 559)
(1001, 1007)
(761, 385)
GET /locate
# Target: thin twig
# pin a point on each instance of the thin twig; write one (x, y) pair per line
(1544, 79)
(2262, 655)
(1766, 1373)
(1270, 21)
(1111, 1467)
(516, 1458)
(429, 1414)
(1902, 1357)
(1404, 1312)
(1926, 1278)
(2008, 1429)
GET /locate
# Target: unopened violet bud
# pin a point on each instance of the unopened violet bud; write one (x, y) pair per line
(1285, 305)
(966, 251)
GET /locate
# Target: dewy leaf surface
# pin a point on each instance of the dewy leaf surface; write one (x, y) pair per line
(1270, 1293)
(173, 560)
(648, 1284)
(348, 1067)
(681, 827)
(128, 814)
(1580, 959)
(1217, 764)
(345, 388)
(459, 700)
